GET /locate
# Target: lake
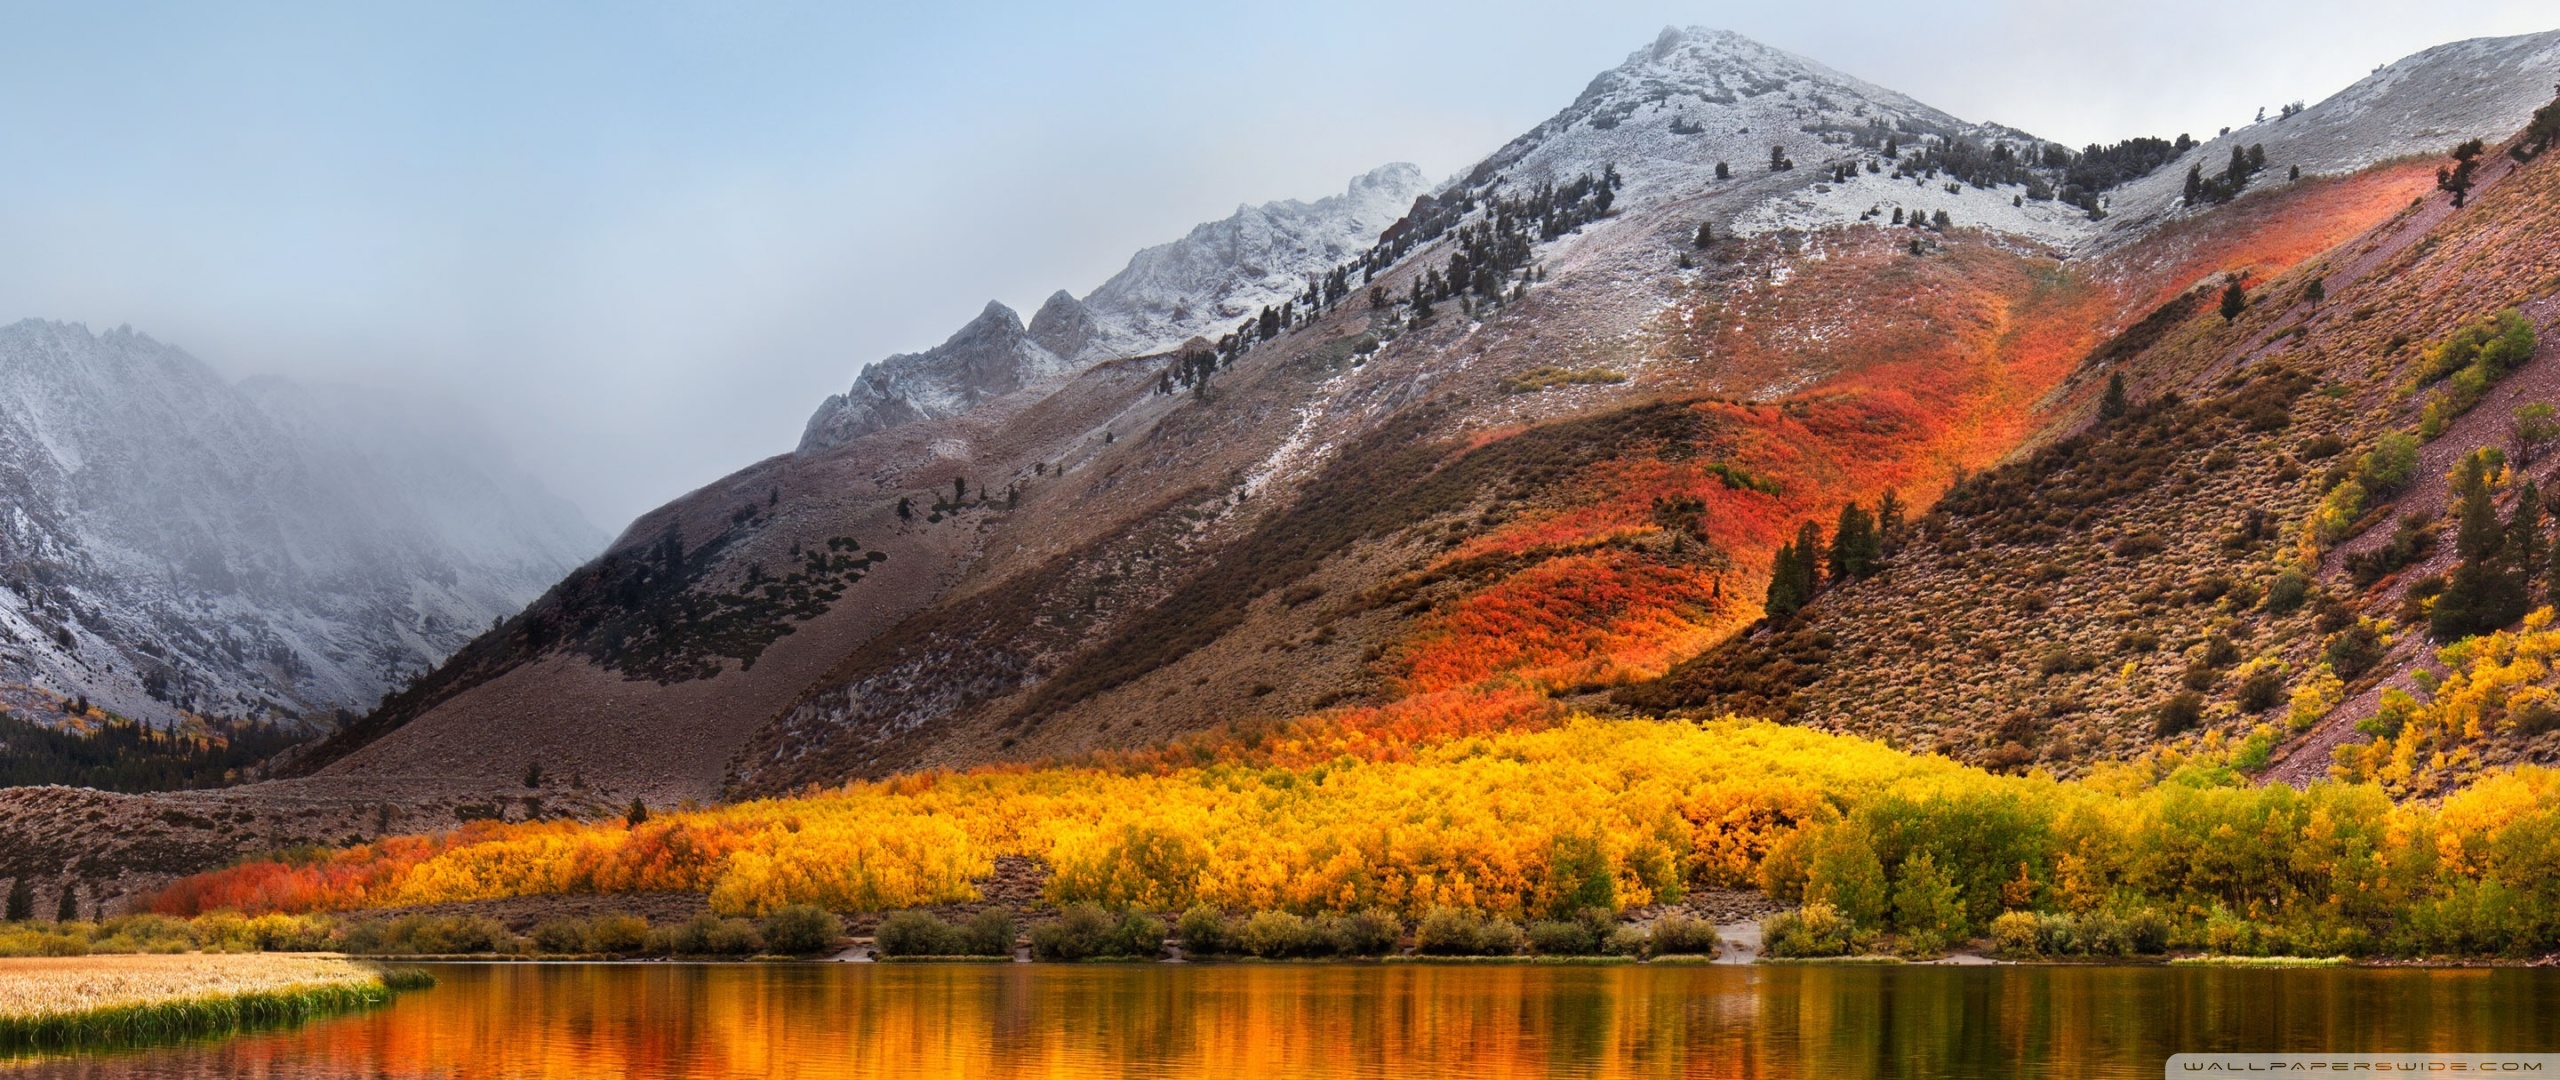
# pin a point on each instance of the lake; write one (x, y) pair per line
(1238, 1021)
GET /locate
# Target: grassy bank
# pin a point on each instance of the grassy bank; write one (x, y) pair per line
(60, 1003)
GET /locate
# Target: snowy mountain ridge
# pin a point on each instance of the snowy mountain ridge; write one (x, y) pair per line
(1201, 285)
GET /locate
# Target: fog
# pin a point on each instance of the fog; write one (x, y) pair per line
(644, 242)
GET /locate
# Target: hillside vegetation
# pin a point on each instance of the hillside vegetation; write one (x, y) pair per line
(1553, 820)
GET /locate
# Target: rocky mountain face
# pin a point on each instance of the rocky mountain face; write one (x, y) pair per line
(176, 544)
(1551, 471)
(1203, 284)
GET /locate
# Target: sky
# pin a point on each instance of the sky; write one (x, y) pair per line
(644, 241)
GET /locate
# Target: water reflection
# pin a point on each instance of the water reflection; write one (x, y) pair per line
(1231, 1022)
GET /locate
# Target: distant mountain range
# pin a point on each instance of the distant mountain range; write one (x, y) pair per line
(177, 544)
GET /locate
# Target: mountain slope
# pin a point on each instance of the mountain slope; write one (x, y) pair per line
(178, 545)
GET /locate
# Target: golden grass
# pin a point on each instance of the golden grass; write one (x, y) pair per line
(90, 1000)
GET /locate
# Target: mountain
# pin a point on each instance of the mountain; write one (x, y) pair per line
(179, 545)
(1202, 284)
(1540, 445)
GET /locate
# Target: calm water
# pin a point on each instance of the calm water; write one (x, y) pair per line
(1232, 1022)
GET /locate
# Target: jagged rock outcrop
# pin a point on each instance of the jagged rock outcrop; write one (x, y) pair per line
(1203, 284)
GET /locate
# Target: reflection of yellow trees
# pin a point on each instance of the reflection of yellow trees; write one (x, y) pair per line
(1237, 1022)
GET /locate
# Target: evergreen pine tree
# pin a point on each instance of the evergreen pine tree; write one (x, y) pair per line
(1889, 523)
(637, 816)
(2114, 405)
(1724, 171)
(1855, 548)
(2487, 589)
(2525, 544)
(1706, 233)
(1808, 569)
(2195, 182)
(22, 900)
(2478, 535)
(2235, 300)
(66, 908)
(1783, 598)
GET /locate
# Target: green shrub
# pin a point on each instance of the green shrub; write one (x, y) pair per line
(561, 936)
(1204, 931)
(2287, 592)
(988, 933)
(1369, 932)
(710, 935)
(799, 929)
(1814, 930)
(1274, 935)
(2014, 934)
(431, 935)
(1447, 931)
(914, 933)
(617, 934)
(30, 939)
(1087, 931)
(1680, 935)
(1843, 874)
(1925, 904)
(143, 934)
(2140, 931)
(2391, 463)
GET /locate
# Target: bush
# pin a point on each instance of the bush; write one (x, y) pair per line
(2178, 715)
(1449, 931)
(2014, 934)
(2141, 545)
(1369, 932)
(710, 935)
(561, 936)
(30, 939)
(1586, 934)
(1680, 935)
(915, 933)
(1275, 935)
(1087, 932)
(2391, 463)
(617, 934)
(798, 929)
(1815, 929)
(2287, 592)
(2261, 687)
(431, 935)
(988, 933)
(2139, 932)
(1204, 931)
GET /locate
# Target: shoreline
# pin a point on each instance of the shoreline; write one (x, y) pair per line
(144, 999)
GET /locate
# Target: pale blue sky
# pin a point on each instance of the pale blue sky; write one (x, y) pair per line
(645, 240)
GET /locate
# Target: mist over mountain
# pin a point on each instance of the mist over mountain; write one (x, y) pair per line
(178, 544)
